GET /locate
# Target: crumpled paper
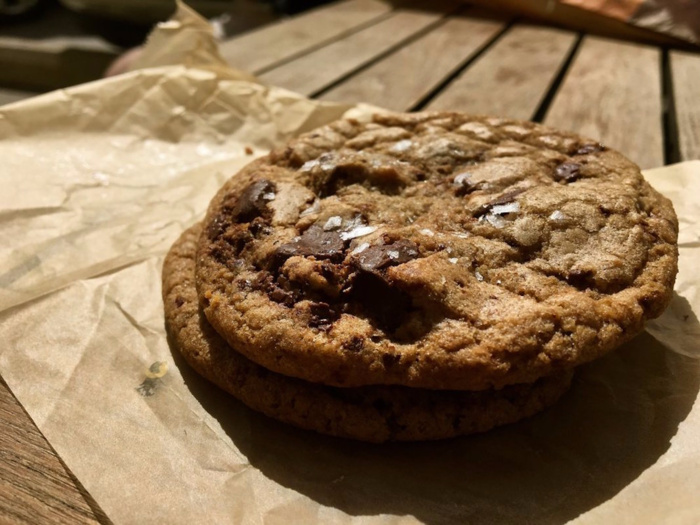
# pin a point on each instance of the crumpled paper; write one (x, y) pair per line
(97, 182)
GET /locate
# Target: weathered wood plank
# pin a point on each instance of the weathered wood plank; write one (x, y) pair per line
(405, 77)
(34, 485)
(273, 44)
(612, 93)
(311, 73)
(512, 77)
(685, 71)
(52, 63)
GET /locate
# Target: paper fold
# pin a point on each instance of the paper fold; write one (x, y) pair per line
(99, 180)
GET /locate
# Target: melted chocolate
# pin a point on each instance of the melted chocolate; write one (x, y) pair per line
(377, 257)
(253, 201)
(315, 242)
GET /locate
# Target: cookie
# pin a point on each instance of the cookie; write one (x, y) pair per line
(435, 250)
(372, 413)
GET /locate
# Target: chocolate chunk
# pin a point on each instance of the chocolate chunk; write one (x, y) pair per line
(567, 172)
(227, 252)
(281, 296)
(382, 303)
(218, 226)
(590, 148)
(390, 360)
(259, 226)
(228, 247)
(507, 197)
(266, 283)
(385, 304)
(355, 344)
(253, 201)
(322, 316)
(315, 242)
(377, 257)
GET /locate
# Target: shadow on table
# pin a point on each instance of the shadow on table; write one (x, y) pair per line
(616, 421)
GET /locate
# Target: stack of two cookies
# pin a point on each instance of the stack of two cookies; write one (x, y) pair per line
(419, 276)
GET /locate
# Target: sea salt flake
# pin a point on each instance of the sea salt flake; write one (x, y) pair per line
(461, 179)
(333, 223)
(359, 231)
(478, 276)
(427, 232)
(495, 220)
(328, 165)
(308, 166)
(453, 260)
(353, 223)
(558, 216)
(359, 249)
(270, 196)
(314, 208)
(401, 146)
(502, 209)
(393, 254)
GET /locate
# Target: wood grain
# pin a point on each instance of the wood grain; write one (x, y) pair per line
(512, 78)
(273, 44)
(402, 79)
(311, 73)
(35, 487)
(612, 93)
(685, 70)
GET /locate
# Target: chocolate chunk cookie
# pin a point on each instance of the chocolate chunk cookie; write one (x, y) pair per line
(435, 250)
(373, 413)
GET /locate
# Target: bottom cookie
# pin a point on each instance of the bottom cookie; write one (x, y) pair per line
(372, 413)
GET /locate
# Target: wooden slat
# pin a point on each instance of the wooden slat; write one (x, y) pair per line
(34, 485)
(8, 96)
(685, 69)
(402, 79)
(275, 43)
(512, 78)
(612, 93)
(312, 72)
(52, 63)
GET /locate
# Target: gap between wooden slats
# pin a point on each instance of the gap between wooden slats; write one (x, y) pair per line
(404, 78)
(612, 93)
(314, 71)
(685, 74)
(265, 48)
(512, 78)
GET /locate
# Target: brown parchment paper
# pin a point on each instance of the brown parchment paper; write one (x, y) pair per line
(98, 180)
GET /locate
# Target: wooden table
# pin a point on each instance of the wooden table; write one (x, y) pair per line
(636, 98)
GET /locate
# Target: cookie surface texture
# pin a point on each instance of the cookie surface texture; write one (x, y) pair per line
(435, 250)
(374, 413)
